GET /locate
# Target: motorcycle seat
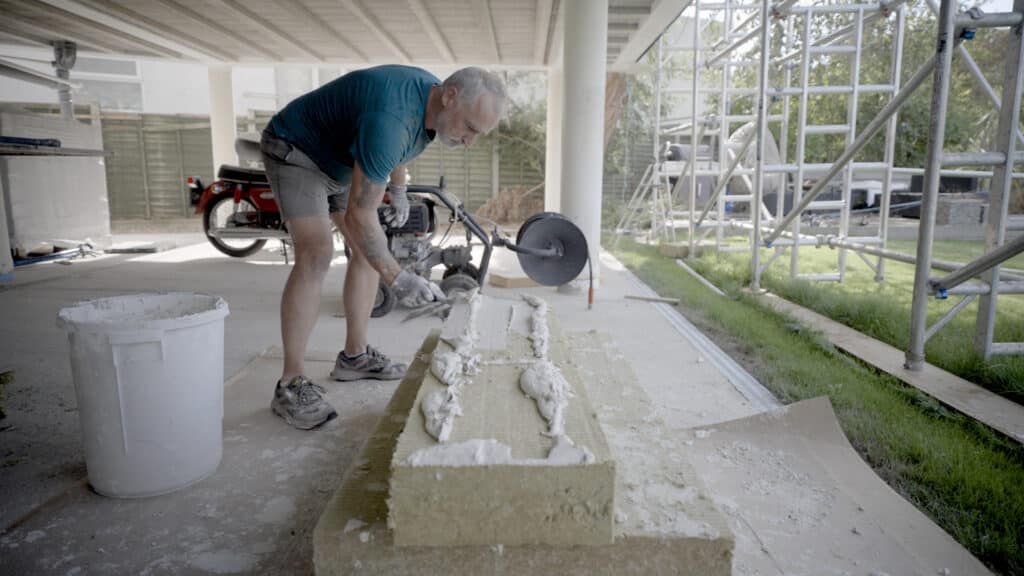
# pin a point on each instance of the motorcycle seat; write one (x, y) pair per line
(244, 175)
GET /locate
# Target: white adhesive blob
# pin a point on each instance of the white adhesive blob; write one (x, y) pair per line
(543, 382)
(469, 453)
(445, 366)
(353, 524)
(440, 407)
(539, 332)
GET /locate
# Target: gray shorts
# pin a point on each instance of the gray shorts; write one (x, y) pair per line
(300, 187)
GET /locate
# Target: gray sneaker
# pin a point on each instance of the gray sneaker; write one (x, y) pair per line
(301, 404)
(371, 364)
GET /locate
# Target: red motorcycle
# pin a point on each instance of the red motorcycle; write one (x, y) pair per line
(239, 210)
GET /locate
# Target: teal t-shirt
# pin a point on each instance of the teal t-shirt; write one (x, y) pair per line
(373, 117)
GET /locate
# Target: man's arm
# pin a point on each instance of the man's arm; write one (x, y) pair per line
(398, 212)
(364, 227)
(399, 176)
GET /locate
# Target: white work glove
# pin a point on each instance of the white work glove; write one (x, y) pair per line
(397, 212)
(414, 291)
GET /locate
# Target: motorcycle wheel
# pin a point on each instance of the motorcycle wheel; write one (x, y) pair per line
(218, 210)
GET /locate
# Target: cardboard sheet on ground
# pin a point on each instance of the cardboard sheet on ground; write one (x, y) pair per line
(801, 501)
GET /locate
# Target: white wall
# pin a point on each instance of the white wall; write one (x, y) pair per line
(173, 88)
(254, 88)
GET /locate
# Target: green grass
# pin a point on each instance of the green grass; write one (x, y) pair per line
(882, 310)
(964, 476)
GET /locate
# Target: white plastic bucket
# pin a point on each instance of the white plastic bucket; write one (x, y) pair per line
(149, 376)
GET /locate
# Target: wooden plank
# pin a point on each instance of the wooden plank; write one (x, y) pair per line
(672, 301)
(969, 398)
(508, 281)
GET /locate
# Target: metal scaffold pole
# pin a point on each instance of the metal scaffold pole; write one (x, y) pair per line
(944, 47)
(762, 135)
(999, 193)
(895, 69)
(694, 139)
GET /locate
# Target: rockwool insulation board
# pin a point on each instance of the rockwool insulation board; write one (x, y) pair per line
(492, 481)
(664, 522)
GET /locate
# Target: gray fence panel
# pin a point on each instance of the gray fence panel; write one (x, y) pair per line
(467, 171)
(125, 176)
(197, 153)
(163, 167)
(520, 166)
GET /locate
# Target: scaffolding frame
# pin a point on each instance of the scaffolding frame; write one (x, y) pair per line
(982, 279)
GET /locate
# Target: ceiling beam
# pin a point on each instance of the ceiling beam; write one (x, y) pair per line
(17, 38)
(553, 53)
(486, 20)
(371, 22)
(125, 30)
(158, 29)
(318, 21)
(661, 17)
(541, 27)
(427, 20)
(267, 28)
(623, 26)
(16, 26)
(629, 11)
(114, 39)
(205, 21)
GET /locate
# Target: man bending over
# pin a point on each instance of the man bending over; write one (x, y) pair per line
(329, 155)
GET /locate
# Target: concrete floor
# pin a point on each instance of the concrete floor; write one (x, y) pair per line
(256, 513)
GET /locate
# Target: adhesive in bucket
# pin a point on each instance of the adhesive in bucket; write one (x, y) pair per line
(149, 375)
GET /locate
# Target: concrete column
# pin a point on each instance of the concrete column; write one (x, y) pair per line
(222, 116)
(585, 51)
(553, 147)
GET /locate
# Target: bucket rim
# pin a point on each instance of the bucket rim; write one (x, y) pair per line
(218, 310)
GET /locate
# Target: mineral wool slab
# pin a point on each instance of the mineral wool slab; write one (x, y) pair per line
(504, 474)
(657, 531)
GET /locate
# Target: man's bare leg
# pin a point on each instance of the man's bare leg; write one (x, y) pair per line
(300, 303)
(361, 282)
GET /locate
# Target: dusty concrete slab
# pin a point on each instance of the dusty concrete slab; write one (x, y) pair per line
(532, 498)
(664, 526)
(53, 524)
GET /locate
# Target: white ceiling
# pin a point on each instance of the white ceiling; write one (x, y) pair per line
(496, 33)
